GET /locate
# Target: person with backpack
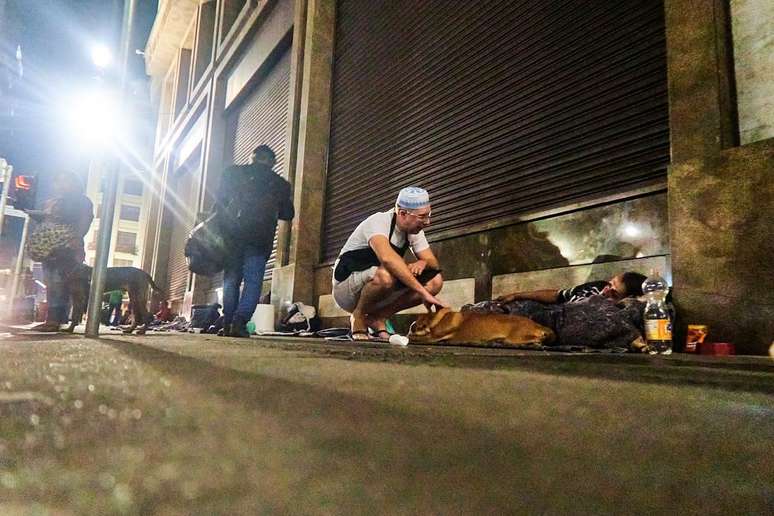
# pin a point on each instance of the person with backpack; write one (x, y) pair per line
(56, 240)
(249, 201)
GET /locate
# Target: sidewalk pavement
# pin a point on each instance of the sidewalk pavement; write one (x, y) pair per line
(196, 424)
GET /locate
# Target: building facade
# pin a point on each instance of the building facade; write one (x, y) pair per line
(560, 142)
(131, 217)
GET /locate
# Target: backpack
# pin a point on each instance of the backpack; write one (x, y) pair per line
(47, 239)
(300, 318)
(205, 250)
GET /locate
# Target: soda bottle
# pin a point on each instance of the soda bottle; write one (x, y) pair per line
(658, 324)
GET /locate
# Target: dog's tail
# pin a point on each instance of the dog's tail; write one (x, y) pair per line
(153, 284)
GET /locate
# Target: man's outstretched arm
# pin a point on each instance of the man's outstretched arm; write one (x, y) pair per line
(542, 296)
(396, 266)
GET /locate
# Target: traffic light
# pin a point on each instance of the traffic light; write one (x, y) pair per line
(22, 192)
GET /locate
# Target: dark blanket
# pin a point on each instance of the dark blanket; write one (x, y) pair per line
(595, 322)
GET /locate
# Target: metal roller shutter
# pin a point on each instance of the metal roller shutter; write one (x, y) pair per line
(499, 108)
(262, 118)
(181, 207)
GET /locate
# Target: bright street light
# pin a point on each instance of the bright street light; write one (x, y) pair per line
(94, 118)
(101, 56)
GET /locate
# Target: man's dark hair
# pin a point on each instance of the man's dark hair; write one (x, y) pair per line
(266, 150)
(633, 282)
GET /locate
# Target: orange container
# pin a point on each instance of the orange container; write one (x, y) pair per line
(695, 337)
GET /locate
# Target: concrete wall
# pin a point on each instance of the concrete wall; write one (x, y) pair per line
(753, 35)
(721, 201)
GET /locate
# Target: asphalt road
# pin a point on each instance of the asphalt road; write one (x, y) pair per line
(193, 424)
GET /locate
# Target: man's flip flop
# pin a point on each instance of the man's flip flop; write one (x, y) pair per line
(359, 335)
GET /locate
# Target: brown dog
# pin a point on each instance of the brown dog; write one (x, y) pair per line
(135, 281)
(447, 327)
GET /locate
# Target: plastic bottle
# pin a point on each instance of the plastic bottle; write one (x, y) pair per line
(658, 323)
(398, 340)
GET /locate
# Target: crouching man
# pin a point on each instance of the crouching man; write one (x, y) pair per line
(372, 281)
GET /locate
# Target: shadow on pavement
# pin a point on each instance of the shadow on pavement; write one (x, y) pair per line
(335, 423)
(747, 374)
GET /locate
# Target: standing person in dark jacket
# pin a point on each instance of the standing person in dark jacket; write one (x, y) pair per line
(249, 201)
(70, 207)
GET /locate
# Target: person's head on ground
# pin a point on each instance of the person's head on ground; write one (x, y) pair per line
(67, 183)
(263, 155)
(412, 210)
(626, 284)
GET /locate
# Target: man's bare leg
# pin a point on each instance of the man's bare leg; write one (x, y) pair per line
(380, 286)
(377, 319)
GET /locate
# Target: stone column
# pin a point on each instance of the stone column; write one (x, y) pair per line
(295, 281)
(721, 202)
(294, 102)
(212, 165)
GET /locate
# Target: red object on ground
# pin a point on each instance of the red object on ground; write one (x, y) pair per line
(717, 348)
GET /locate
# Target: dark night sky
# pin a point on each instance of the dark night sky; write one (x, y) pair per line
(56, 37)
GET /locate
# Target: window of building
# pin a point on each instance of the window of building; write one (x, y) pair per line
(166, 105)
(231, 10)
(126, 242)
(205, 33)
(118, 262)
(92, 245)
(132, 187)
(183, 80)
(129, 212)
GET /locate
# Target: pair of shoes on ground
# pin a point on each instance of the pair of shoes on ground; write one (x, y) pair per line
(237, 328)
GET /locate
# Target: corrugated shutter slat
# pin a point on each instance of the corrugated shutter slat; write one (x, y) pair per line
(498, 107)
(262, 118)
(181, 207)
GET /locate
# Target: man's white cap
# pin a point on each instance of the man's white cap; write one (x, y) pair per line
(413, 198)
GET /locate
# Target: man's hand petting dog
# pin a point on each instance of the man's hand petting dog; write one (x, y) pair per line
(430, 301)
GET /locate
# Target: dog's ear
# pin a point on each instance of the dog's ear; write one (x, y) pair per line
(438, 317)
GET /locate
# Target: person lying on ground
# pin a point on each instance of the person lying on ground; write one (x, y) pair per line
(371, 279)
(165, 313)
(620, 286)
